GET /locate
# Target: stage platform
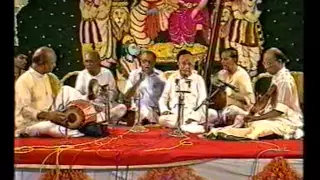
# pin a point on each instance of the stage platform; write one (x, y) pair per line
(127, 151)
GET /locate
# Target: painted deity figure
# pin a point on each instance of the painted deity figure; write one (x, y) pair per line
(187, 20)
(224, 31)
(128, 62)
(95, 28)
(148, 18)
(240, 28)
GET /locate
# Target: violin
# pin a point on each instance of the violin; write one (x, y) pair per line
(263, 101)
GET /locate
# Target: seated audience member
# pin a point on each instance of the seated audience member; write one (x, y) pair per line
(184, 79)
(20, 62)
(147, 84)
(277, 112)
(93, 70)
(39, 101)
(237, 102)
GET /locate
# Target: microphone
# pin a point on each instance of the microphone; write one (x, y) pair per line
(229, 86)
(188, 81)
(177, 82)
(216, 81)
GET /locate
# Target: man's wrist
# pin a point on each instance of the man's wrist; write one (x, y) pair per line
(42, 115)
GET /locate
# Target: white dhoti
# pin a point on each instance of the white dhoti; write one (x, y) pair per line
(217, 118)
(117, 111)
(149, 113)
(170, 121)
(254, 130)
(64, 97)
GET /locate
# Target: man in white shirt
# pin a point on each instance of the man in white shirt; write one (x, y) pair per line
(93, 70)
(39, 98)
(146, 83)
(237, 102)
(279, 113)
(184, 79)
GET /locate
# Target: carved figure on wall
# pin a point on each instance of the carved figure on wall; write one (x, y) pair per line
(128, 62)
(240, 28)
(95, 28)
(148, 18)
(187, 20)
(120, 19)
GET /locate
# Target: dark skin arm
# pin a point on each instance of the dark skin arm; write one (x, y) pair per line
(269, 115)
(55, 117)
(131, 92)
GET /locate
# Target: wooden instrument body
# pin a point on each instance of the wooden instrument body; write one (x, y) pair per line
(219, 100)
(79, 114)
(263, 101)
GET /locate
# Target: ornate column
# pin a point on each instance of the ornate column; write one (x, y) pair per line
(18, 5)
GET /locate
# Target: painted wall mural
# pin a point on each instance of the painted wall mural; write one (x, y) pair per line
(240, 28)
(73, 27)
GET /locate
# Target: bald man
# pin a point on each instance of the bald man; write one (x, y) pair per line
(93, 70)
(146, 81)
(282, 114)
(39, 98)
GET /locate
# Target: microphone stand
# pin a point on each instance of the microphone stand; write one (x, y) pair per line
(137, 127)
(107, 107)
(207, 103)
(178, 131)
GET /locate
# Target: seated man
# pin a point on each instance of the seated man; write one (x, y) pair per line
(237, 102)
(185, 80)
(20, 62)
(39, 98)
(93, 70)
(146, 83)
(278, 111)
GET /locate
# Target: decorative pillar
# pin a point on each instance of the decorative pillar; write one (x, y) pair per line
(18, 5)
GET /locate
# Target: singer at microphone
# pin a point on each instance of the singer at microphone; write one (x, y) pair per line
(190, 81)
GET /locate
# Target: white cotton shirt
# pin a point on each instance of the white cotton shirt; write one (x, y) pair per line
(150, 88)
(287, 98)
(33, 94)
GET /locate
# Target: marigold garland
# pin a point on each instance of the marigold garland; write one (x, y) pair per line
(174, 173)
(278, 168)
(65, 175)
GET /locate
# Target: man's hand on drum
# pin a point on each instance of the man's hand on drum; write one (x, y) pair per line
(55, 117)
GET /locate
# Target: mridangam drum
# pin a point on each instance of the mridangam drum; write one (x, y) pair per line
(79, 114)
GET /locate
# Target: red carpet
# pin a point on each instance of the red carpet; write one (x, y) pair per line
(145, 149)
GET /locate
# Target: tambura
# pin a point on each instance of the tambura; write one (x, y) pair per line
(79, 113)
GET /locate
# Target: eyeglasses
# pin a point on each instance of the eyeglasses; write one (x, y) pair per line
(268, 64)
